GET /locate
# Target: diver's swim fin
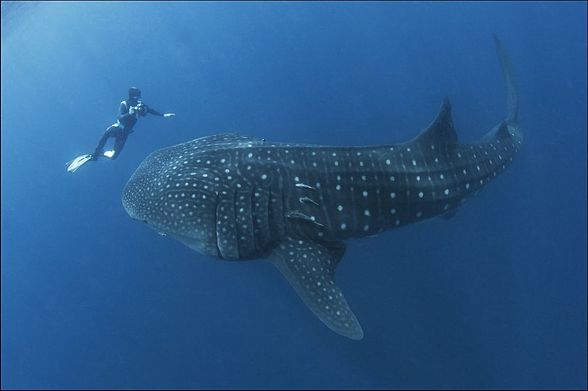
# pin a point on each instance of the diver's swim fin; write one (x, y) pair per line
(109, 154)
(78, 162)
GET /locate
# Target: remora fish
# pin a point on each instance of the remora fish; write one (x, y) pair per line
(242, 198)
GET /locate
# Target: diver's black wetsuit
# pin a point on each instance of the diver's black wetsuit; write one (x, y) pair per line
(123, 127)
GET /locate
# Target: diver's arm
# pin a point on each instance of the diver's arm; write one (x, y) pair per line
(123, 109)
(155, 112)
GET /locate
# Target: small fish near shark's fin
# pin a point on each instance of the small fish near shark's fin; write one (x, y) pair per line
(441, 132)
(310, 267)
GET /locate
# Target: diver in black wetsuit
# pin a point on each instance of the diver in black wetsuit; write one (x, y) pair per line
(129, 112)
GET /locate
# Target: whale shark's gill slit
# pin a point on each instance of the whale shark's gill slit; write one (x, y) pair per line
(244, 222)
(403, 190)
(284, 209)
(264, 205)
(353, 212)
(216, 222)
(453, 170)
(260, 212)
(382, 179)
(273, 229)
(254, 224)
(427, 175)
(276, 216)
(238, 240)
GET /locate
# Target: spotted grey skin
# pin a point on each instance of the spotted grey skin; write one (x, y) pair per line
(242, 198)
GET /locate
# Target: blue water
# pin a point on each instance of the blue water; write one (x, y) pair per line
(492, 298)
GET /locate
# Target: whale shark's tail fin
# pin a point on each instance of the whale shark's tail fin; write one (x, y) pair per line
(512, 97)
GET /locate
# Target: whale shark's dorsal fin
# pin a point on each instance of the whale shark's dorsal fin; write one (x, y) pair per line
(440, 132)
(310, 267)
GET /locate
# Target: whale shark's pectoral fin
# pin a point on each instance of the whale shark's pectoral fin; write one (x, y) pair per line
(310, 267)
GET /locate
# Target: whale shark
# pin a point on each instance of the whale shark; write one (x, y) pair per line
(240, 198)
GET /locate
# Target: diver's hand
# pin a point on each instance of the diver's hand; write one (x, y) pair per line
(132, 110)
(167, 115)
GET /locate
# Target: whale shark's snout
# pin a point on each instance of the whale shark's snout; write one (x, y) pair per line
(131, 201)
(138, 197)
(174, 198)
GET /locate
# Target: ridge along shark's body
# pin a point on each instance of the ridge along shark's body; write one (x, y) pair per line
(241, 198)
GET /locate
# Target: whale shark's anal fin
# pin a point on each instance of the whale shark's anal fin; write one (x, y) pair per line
(310, 267)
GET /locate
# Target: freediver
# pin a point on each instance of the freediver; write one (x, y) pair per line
(129, 112)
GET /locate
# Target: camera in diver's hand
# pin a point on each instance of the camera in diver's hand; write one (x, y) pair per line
(140, 109)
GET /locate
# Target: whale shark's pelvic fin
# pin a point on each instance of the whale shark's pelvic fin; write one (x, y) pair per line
(310, 267)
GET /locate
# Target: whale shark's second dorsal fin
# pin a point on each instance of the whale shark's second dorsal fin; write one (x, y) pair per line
(502, 131)
(441, 132)
(499, 132)
(309, 267)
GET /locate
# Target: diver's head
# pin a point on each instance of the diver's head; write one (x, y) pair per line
(134, 94)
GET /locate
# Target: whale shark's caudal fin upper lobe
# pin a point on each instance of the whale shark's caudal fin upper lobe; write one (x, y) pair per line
(310, 267)
(512, 96)
(509, 127)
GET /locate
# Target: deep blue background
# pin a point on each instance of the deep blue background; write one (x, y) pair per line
(495, 297)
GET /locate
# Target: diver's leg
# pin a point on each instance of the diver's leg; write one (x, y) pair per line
(119, 143)
(110, 132)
